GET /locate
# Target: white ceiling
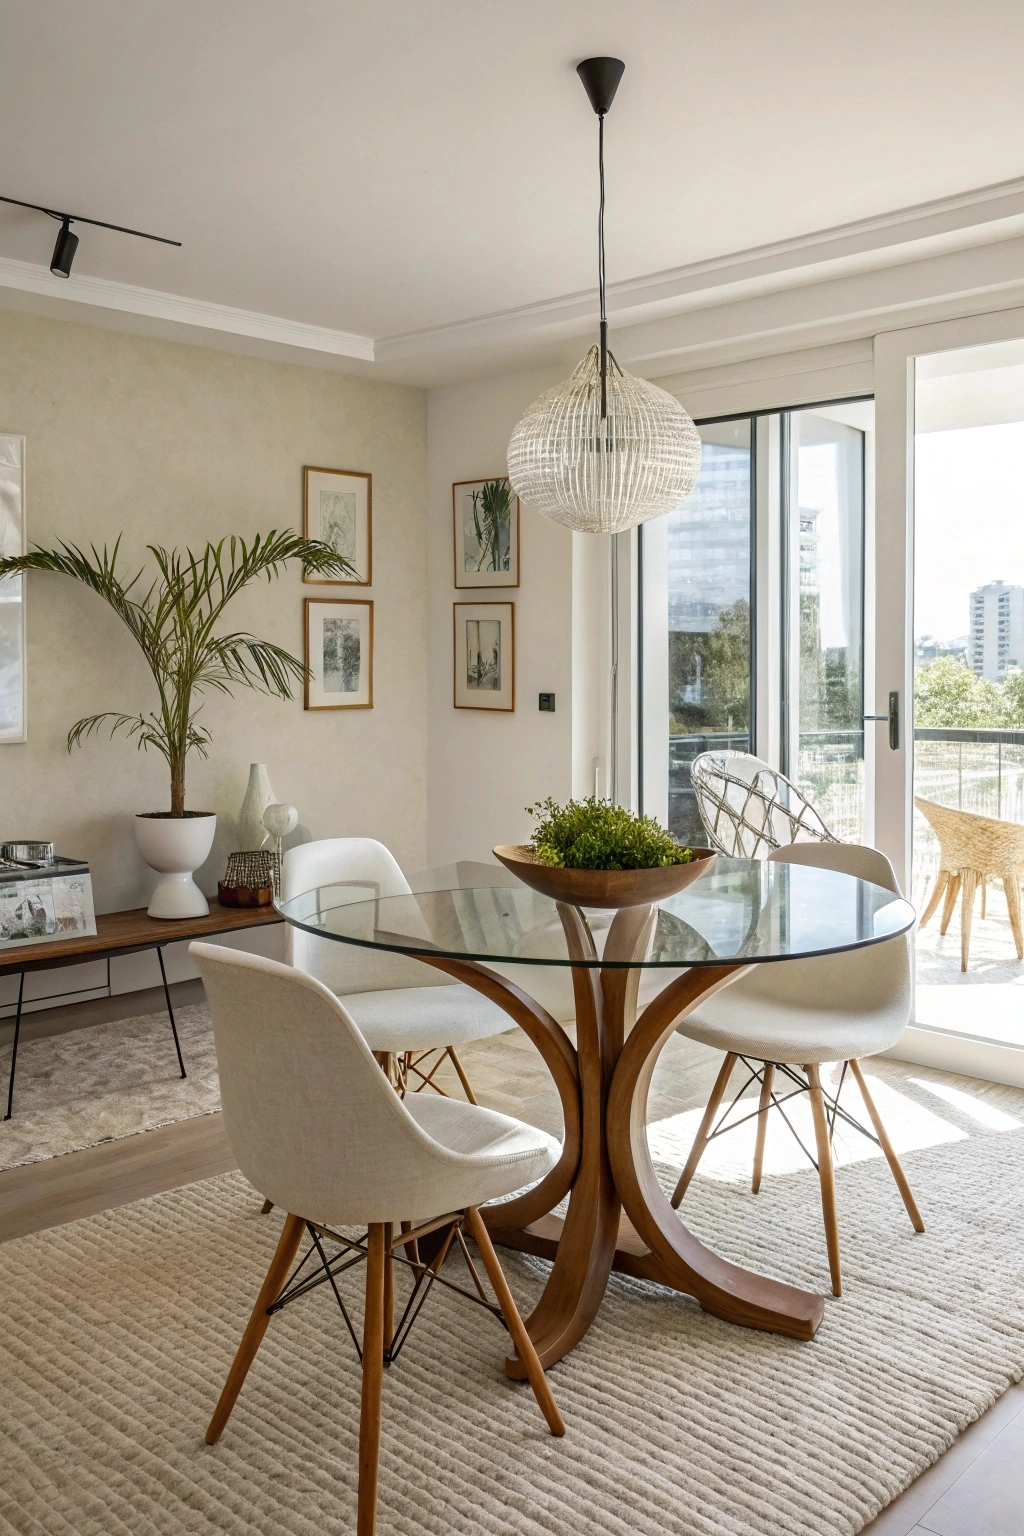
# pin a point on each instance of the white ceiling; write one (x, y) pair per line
(387, 168)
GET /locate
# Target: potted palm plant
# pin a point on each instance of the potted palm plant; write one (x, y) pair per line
(175, 623)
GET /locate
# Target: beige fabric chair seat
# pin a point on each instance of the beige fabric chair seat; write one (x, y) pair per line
(421, 1018)
(379, 1161)
(485, 1137)
(833, 1009)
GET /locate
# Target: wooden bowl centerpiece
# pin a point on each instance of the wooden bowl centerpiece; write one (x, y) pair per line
(603, 887)
(592, 853)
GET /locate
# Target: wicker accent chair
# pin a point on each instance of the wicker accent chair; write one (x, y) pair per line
(972, 850)
(748, 808)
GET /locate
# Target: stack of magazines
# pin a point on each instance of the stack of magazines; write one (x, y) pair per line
(44, 900)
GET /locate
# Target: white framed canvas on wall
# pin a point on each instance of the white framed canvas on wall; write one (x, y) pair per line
(338, 508)
(13, 689)
(339, 653)
(485, 517)
(485, 656)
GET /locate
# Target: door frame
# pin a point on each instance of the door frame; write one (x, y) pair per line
(895, 369)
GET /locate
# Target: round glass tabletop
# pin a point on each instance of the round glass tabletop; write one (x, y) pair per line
(745, 910)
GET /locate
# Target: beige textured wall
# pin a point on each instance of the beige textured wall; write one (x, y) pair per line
(177, 444)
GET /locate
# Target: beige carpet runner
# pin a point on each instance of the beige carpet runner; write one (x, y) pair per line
(118, 1331)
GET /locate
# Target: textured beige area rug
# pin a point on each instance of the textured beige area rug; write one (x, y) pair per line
(106, 1081)
(118, 1331)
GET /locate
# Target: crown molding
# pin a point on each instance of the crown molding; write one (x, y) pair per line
(975, 211)
(831, 279)
(100, 293)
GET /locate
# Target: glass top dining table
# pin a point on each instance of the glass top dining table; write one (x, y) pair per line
(477, 925)
(750, 910)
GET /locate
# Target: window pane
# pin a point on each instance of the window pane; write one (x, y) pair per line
(709, 574)
(825, 693)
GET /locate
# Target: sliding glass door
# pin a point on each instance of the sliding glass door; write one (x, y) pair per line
(753, 612)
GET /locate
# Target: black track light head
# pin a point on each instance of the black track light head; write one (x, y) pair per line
(64, 250)
(600, 81)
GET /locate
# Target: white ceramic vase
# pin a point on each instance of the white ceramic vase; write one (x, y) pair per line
(175, 846)
(252, 834)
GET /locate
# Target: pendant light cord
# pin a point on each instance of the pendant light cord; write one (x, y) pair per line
(600, 268)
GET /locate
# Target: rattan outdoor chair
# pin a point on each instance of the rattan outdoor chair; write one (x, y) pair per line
(748, 808)
(972, 850)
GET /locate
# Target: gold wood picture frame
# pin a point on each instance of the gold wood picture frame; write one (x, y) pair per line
(485, 532)
(337, 507)
(484, 655)
(339, 653)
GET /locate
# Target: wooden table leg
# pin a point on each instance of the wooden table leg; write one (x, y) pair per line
(677, 1258)
(604, 1086)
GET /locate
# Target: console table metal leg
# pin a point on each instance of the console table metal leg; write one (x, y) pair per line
(14, 1050)
(170, 1010)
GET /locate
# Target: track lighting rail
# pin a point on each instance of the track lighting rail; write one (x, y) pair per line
(67, 243)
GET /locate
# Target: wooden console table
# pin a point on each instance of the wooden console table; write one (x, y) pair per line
(123, 933)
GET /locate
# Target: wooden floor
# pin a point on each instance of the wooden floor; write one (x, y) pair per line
(976, 1489)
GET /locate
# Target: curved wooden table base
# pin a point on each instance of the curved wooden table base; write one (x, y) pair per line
(603, 1085)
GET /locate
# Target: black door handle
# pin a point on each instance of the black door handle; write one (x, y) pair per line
(892, 719)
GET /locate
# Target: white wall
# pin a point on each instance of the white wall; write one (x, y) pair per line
(176, 444)
(484, 767)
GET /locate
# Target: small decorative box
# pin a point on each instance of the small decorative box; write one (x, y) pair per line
(250, 879)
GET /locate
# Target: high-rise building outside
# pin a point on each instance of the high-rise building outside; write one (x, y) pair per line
(996, 637)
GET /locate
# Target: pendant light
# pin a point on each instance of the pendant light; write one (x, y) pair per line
(603, 451)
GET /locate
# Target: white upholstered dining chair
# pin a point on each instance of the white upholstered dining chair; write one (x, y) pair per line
(797, 1014)
(409, 1013)
(314, 1122)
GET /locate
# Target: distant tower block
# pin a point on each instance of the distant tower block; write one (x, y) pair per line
(996, 640)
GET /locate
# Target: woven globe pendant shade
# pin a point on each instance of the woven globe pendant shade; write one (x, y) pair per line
(599, 474)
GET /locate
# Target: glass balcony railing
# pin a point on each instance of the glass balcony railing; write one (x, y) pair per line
(979, 770)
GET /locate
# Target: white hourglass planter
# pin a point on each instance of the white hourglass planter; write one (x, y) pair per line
(174, 847)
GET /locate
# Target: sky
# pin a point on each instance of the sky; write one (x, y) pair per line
(969, 521)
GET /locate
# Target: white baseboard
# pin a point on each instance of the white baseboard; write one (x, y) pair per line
(992, 1060)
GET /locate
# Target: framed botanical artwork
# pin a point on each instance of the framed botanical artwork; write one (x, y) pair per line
(12, 590)
(339, 653)
(485, 515)
(338, 509)
(485, 656)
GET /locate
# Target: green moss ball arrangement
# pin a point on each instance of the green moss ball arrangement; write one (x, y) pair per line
(597, 834)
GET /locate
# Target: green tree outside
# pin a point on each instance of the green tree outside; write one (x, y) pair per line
(721, 659)
(947, 693)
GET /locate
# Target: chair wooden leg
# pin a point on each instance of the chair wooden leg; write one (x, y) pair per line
(826, 1177)
(516, 1327)
(1012, 889)
(762, 1124)
(373, 1374)
(887, 1147)
(941, 881)
(258, 1324)
(969, 887)
(984, 896)
(467, 1087)
(266, 1208)
(952, 891)
(701, 1138)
